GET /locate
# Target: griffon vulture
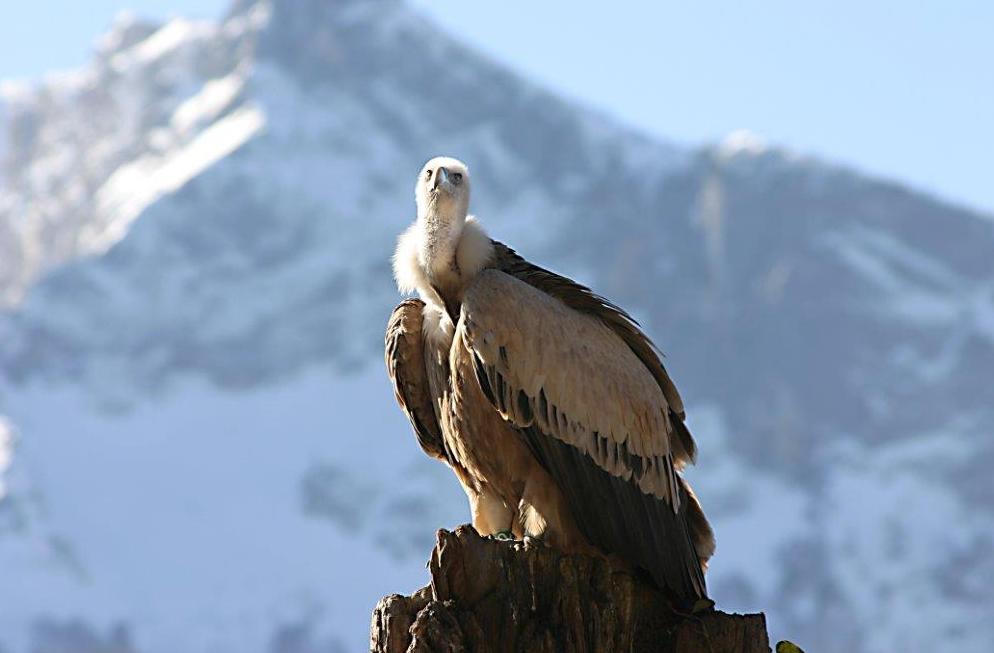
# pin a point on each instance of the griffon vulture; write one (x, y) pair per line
(549, 403)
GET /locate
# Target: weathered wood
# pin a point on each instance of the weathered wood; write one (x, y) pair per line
(499, 597)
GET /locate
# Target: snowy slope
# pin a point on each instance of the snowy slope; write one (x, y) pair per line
(214, 519)
(199, 450)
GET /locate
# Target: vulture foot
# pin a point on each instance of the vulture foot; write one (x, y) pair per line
(534, 541)
(503, 536)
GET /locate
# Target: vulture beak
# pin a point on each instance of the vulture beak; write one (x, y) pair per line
(442, 178)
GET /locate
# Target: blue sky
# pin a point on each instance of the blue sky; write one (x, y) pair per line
(899, 89)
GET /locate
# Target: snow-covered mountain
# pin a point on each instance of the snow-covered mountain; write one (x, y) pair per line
(200, 451)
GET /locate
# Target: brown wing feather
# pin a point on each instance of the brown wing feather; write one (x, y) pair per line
(570, 374)
(582, 299)
(405, 361)
(595, 417)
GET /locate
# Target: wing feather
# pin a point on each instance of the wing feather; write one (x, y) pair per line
(405, 359)
(584, 300)
(619, 518)
(604, 400)
(596, 417)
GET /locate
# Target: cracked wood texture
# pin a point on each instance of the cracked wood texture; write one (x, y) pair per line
(497, 597)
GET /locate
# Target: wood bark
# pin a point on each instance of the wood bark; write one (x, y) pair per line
(500, 597)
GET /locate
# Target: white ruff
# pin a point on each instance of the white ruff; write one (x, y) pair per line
(474, 252)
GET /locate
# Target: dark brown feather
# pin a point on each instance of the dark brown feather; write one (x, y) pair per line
(618, 518)
(405, 361)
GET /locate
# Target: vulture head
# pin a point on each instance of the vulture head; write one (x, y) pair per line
(445, 246)
(442, 191)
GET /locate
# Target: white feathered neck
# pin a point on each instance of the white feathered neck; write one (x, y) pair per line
(473, 252)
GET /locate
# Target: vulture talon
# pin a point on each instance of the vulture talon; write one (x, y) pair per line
(534, 540)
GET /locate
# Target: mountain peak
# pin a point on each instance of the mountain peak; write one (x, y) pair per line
(742, 141)
(126, 30)
(314, 11)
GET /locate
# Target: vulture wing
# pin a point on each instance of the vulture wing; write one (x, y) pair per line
(405, 358)
(595, 414)
(584, 300)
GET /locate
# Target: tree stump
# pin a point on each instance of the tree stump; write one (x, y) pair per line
(496, 597)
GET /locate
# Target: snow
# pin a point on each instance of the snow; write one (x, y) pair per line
(882, 515)
(915, 287)
(15, 91)
(741, 142)
(134, 186)
(755, 516)
(897, 516)
(113, 40)
(889, 262)
(6, 452)
(982, 311)
(251, 20)
(166, 39)
(95, 120)
(4, 128)
(184, 514)
(206, 105)
(207, 485)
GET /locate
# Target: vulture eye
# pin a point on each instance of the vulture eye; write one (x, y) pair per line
(428, 174)
(456, 177)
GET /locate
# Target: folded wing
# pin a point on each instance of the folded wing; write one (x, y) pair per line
(595, 415)
(405, 359)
